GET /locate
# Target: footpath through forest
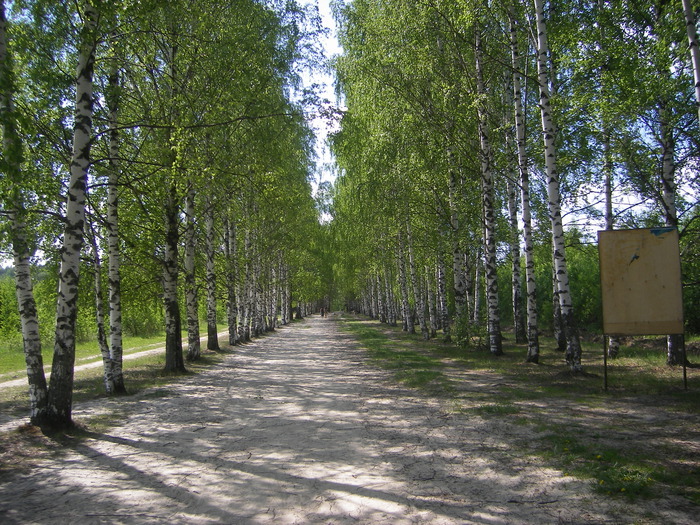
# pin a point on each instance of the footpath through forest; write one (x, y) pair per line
(298, 427)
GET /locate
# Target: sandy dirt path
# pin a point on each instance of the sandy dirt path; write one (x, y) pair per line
(297, 427)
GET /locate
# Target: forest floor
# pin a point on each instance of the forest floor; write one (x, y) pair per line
(300, 427)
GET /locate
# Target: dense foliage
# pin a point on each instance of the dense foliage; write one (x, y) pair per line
(426, 82)
(183, 142)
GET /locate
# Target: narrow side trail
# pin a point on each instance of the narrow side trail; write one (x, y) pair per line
(298, 427)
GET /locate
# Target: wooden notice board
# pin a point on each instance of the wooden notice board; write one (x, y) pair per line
(640, 277)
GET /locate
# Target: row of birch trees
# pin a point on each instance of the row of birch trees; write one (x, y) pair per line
(154, 149)
(476, 130)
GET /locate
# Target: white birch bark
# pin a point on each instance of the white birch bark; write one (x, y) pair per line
(107, 364)
(21, 250)
(557, 320)
(230, 252)
(431, 298)
(488, 210)
(113, 249)
(381, 299)
(174, 360)
(211, 239)
(675, 342)
(373, 300)
(608, 175)
(403, 284)
(691, 29)
(478, 286)
(613, 342)
(274, 294)
(533, 344)
(458, 268)
(573, 343)
(247, 299)
(284, 307)
(668, 167)
(191, 292)
(518, 318)
(418, 298)
(442, 299)
(60, 401)
(258, 310)
(390, 299)
(29, 320)
(288, 295)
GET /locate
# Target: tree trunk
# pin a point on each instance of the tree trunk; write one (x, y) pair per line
(191, 292)
(284, 302)
(573, 343)
(431, 298)
(613, 342)
(373, 298)
(489, 211)
(258, 309)
(518, 317)
(415, 284)
(478, 285)
(533, 344)
(174, 361)
(274, 294)
(381, 299)
(21, 250)
(212, 332)
(675, 342)
(403, 283)
(231, 298)
(60, 401)
(442, 299)
(108, 365)
(113, 250)
(458, 270)
(557, 321)
(693, 48)
(391, 302)
(246, 299)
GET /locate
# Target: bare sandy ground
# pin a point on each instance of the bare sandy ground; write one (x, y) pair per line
(298, 428)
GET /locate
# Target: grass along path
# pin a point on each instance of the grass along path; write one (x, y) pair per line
(641, 439)
(143, 368)
(302, 426)
(12, 364)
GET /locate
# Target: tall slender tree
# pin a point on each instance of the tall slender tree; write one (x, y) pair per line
(563, 291)
(13, 201)
(60, 399)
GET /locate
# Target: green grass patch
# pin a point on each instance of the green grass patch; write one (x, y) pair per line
(497, 409)
(586, 439)
(411, 367)
(139, 374)
(611, 471)
(12, 356)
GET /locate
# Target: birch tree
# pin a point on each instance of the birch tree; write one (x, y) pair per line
(13, 202)
(490, 269)
(60, 399)
(694, 50)
(533, 347)
(573, 343)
